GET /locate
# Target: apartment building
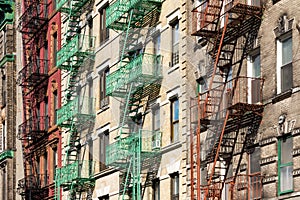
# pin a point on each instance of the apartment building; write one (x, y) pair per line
(247, 153)
(8, 103)
(126, 85)
(39, 80)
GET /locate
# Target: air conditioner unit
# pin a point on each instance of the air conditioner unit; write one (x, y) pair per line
(156, 144)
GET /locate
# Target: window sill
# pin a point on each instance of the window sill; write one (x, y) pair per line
(104, 173)
(285, 194)
(173, 68)
(171, 147)
(101, 110)
(282, 96)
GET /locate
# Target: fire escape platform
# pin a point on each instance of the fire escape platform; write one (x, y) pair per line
(33, 73)
(243, 18)
(148, 143)
(33, 19)
(144, 11)
(78, 172)
(78, 110)
(142, 70)
(73, 53)
(64, 5)
(33, 129)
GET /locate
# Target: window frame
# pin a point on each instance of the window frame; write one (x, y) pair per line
(155, 114)
(103, 98)
(175, 38)
(174, 184)
(103, 30)
(91, 155)
(103, 140)
(254, 180)
(157, 43)
(54, 161)
(279, 63)
(280, 165)
(253, 81)
(174, 121)
(156, 189)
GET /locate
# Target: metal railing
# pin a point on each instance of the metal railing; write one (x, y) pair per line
(79, 45)
(33, 128)
(144, 69)
(33, 72)
(33, 18)
(244, 90)
(76, 170)
(79, 106)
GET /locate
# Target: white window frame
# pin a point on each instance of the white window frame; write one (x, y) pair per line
(279, 65)
(250, 66)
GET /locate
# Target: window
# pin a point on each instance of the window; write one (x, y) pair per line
(46, 115)
(157, 45)
(156, 118)
(55, 106)
(175, 186)
(90, 25)
(46, 58)
(284, 64)
(38, 167)
(255, 178)
(91, 152)
(175, 43)
(104, 100)
(285, 165)
(104, 31)
(54, 49)
(104, 142)
(91, 95)
(54, 161)
(45, 163)
(156, 189)
(254, 71)
(174, 120)
(255, 61)
(3, 89)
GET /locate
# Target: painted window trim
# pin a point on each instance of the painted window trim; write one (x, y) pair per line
(279, 42)
(279, 192)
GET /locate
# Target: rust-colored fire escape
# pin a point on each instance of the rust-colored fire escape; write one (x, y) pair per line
(225, 118)
(33, 80)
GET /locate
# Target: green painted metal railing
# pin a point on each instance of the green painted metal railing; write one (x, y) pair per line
(144, 69)
(75, 171)
(78, 46)
(6, 154)
(120, 8)
(76, 108)
(146, 142)
(66, 5)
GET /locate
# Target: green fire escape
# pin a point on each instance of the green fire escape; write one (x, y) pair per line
(75, 175)
(136, 152)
